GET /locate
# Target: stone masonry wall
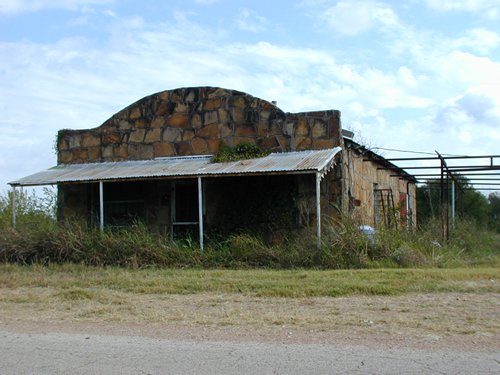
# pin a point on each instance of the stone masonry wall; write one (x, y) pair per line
(362, 175)
(194, 121)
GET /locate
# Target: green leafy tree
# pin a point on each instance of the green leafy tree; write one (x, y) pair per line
(30, 206)
(476, 206)
(469, 202)
(428, 201)
(494, 211)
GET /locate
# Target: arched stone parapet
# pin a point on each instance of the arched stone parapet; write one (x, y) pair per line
(194, 121)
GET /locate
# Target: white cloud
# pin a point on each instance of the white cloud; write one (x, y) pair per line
(21, 6)
(249, 20)
(381, 90)
(450, 65)
(356, 17)
(465, 5)
(471, 120)
(406, 77)
(312, 79)
(479, 40)
(488, 8)
(480, 107)
(468, 69)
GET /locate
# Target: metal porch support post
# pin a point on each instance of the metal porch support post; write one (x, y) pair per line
(407, 206)
(318, 209)
(200, 211)
(447, 200)
(14, 209)
(101, 206)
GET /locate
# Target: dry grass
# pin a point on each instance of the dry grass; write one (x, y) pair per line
(413, 315)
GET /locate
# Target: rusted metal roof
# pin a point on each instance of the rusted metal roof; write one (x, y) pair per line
(185, 166)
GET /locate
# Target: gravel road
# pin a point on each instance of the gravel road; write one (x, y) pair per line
(76, 353)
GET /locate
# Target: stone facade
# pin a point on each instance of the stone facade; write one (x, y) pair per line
(194, 121)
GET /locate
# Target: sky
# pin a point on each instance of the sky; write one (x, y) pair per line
(416, 75)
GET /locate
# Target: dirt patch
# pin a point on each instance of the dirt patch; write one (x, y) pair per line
(469, 321)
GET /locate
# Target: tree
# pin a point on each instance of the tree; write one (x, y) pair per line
(428, 201)
(494, 211)
(469, 203)
(30, 207)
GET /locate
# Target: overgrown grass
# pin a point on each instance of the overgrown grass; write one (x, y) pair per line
(40, 239)
(344, 247)
(81, 282)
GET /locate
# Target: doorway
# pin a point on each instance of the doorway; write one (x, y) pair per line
(184, 202)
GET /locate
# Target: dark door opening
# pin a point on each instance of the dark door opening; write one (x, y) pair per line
(185, 209)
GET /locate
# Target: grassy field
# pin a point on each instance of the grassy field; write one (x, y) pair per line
(72, 278)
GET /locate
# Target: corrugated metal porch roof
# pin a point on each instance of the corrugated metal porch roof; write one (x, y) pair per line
(188, 166)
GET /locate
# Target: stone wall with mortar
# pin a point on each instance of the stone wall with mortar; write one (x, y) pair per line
(361, 174)
(194, 121)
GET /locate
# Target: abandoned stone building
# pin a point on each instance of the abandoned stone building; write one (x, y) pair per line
(151, 162)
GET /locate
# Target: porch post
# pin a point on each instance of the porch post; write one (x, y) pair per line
(13, 201)
(101, 206)
(318, 209)
(200, 212)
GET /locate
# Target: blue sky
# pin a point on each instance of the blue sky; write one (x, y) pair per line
(418, 75)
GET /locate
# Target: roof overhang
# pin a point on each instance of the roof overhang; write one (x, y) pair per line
(296, 162)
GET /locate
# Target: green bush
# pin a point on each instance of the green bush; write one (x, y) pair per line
(241, 151)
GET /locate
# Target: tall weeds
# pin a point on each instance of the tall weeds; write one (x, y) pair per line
(39, 238)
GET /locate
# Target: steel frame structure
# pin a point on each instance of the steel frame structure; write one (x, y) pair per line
(453, 176)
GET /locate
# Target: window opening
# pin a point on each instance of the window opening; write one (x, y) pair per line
(123, 205)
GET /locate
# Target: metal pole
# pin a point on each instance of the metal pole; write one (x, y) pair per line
(408, 209)
(101, 206)
(447, 201)
(200, 212)
(318, 209)
(443, 228)
(14, 208)
(462, 204)
(453, 204)
(173, 193)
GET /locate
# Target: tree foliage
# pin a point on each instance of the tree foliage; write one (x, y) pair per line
(30, 206)
(494, 211)
(470, 204)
